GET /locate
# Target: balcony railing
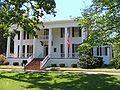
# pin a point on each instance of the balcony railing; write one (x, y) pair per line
(16, 55)
(43, 37)
(62, 55)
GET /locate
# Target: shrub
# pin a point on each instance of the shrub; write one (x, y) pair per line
(100, 63)
(88, 62)
(2, 59)
(115, 62)
(62, 65)
(23, 62)
(73, 65)
(53, 64)
(6, 63)
(15, 63)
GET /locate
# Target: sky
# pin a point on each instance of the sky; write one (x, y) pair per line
(67, 9)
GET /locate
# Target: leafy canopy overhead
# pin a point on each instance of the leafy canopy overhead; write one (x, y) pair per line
(102, 20)
(18, 12)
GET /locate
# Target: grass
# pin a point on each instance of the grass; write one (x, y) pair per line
(16, 80)
(104, 69)
(10, 67)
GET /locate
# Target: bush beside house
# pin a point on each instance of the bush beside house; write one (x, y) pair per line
(115, 62)
(85, 61)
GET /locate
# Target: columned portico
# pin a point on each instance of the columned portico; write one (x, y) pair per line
(50, 42)
(66, 48)
(21, 44)
(8, 46)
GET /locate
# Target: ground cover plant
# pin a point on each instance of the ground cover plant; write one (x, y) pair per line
(102, 69)
(14, 80)
(10, 67)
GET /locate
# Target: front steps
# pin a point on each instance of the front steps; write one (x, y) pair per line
(34, 64)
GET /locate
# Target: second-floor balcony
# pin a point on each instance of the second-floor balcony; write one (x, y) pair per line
(43, 37)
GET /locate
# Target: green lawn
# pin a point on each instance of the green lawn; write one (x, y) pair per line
(10, 67)
(16, 80)
(107, 69)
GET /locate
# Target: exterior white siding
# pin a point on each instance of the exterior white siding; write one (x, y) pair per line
(56, 42)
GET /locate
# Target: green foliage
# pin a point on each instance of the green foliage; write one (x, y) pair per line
(84, 48)
(85, 61)
(18, 12)
(116, 50)
(6, 63)
(74, 65)
(3, 42)
(15, 63)
(115, 62)
(2, 59)
(102, 21)
(62, 65)
(53, 64)
(13, 80)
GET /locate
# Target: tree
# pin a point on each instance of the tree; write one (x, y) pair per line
(3, 42)
(102, 20)
(18, 12)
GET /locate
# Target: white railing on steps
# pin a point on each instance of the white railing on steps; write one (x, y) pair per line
(29, 60)
(45, 60)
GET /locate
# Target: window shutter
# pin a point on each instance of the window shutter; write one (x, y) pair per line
(24, 35)
(100, 51)
(18, 50)
(106, 51)
(27, 48)
(97, 51)
(80, 31)
(61, 33)
(19, 35)
(73, 48)
(92, 51)
(27, 36)
(72, 31)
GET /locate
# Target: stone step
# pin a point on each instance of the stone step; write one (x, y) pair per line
(34, 64)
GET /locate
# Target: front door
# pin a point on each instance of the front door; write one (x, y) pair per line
(45, 50)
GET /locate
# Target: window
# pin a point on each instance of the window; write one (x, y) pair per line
(19, 35)
(62, 32)
(97, 51)
(106, 51)
(24, 35)
(23, 50)
(100, 51)
(61, 48)
(75, 48)
(29, 48)
(18, 50)
(55, 49)
(92, 51)
(46, 31)
(29, 36)
(76, 31)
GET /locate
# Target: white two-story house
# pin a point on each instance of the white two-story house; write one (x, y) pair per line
(51, 45)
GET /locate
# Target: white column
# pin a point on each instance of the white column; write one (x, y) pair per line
(83, 34)
(26, 51)
(8, 47)
(66, 48)
(108, 51)
(21, 44)
(34, 47)
(50, 42)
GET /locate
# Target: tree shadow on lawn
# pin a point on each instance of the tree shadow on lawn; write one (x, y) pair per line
(66, 81)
